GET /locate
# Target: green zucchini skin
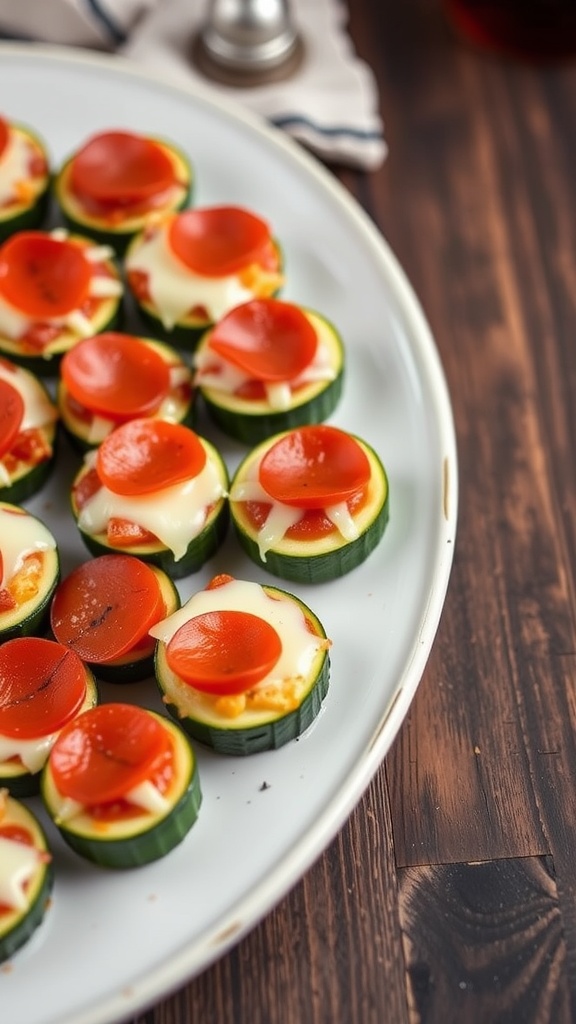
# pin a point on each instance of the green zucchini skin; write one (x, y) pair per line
(269, 736)
(18, 780)
(29, 477)
(200, 548)
(313, 403)
(31, 617)
(29, 480)
(148, 841)
(275, 728)
(15, 935)
(31, 214)
(320, 568)
(21, 785)
(29, 219)
(120, 236)
(317, 562)
(251, 429)
(76, 429)
(184, 335)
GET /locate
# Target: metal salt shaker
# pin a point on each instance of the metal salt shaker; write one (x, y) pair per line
(248, 42)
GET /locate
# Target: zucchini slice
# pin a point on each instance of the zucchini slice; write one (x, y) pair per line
(118, 225)
(119, 833)
(35, 677)
(192, 551)
(30, 458)
(137, 665)
(178, 304)
(95, 612)
(86, 429)
(302, 551)
(24, 179)
(253, 419)
(282, 704)
(31, 571)
(38, 342)
(24, 853)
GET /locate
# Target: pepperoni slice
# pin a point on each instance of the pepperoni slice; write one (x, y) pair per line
(4, 134)
(11, 416)
(42, 686)
(106, 752)
(116, 375)
(314, 467)
(42, 276)
(218, 240)
(224, 652)
(268, 339)
(16, 834)
(122, 533)
(146, 455)
(118, 167)
(219, 580)
(104, 607)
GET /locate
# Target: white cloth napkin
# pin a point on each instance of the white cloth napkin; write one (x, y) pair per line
(330, 103)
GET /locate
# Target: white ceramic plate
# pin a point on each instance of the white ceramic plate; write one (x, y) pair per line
(113, 942)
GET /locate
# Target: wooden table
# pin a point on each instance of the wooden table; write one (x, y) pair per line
(450, 895)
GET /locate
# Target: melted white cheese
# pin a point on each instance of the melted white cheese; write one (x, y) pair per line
(145, 795)
(20, 535)
(176, 515)
(175, 289)
(299, 645)
(14, 166)
(18, 865)
(281, 517)
(39, 411)
(213, 371)
(32, 753)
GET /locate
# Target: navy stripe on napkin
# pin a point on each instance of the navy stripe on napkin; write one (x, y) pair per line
(113, 29)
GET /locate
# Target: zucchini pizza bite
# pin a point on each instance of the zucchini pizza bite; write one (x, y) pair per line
(155, 490)
(28, 430)
(103, 610)
(121, 785)
(310, 504)
(29, 572)
(24, 178)
(26, 875)
(188, 270)
(113, 183)
(242, 666)
(55, 288)
(112, 377)
(268, 366)
(43, 685)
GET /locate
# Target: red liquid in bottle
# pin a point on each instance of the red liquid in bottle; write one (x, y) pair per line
(541, 31)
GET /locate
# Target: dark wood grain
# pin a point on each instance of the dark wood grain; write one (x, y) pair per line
(450, 895)
(486, 941)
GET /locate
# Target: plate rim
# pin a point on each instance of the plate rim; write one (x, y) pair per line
(238, 920)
